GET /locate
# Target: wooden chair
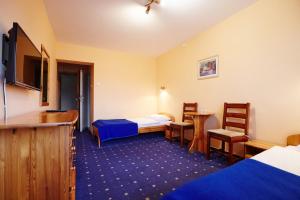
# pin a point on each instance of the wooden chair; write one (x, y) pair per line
(236, 121)
(293, 140)
(186, 124)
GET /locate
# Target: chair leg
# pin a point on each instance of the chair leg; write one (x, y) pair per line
(223, 146)
(171, 134)
(99, 142)
(244, 151)
(208, 147)
(230, 153)
(181, 137)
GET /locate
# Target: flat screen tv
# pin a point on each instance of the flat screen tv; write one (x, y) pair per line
(23, 60)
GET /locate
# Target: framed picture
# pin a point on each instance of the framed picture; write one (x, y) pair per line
(208, 68)
(45, 77)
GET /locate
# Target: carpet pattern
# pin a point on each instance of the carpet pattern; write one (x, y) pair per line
(142, 167)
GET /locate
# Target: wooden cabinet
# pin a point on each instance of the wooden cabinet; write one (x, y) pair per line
(72, 185)
(254, 147)
(36, 156)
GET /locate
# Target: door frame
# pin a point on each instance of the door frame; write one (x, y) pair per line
(91, 70)
(59, 85)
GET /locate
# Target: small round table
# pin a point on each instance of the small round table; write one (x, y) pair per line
(199, 120)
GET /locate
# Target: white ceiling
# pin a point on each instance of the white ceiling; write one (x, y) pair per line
(123, 25)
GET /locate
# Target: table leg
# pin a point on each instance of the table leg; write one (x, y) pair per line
(195, 141)
(201, 134)
(208, 147)
(171, 134)
(198, 134)
(181, 136)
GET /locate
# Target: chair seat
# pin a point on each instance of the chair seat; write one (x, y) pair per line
(227, 132)
(181, 124)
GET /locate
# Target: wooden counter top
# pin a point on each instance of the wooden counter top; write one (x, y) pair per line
(40, 119)
(199, 113)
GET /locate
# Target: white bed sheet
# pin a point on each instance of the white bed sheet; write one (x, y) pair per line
(147, 122)
(151, 120)
(156, 124)
(284, 158)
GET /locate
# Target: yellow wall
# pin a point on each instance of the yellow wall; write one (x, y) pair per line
(258, 48)
(32, 17)
(124, 85)
(259, 60)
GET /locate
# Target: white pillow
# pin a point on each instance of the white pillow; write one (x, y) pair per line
(159, 117)
(297, 148)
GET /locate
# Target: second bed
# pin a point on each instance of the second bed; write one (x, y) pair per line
(106, 130)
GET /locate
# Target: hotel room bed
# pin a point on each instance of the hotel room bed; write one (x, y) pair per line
(272, 174)
(106, 130)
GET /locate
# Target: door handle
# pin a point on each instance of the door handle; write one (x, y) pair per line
(79, 98)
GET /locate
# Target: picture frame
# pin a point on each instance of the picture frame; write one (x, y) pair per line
(208, 68)
(45, 73)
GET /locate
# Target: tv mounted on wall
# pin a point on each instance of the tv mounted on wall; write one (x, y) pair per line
(22, 59)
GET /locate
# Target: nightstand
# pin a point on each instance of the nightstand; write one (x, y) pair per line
(254, 147)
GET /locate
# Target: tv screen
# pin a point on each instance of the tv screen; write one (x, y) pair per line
(24, 61)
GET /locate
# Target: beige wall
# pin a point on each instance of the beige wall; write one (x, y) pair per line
(258, 48)
(124, 85)
(259, 51)
(32, 17)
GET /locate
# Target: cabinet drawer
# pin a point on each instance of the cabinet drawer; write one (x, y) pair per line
(73, 177)
(73, 150)
(72, 155)
(72, 193)
(71, 136)
(72, 183)
(72, 130)
(71, 159)
(72, 141)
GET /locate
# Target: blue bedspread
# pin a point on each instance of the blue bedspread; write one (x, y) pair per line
(248, 179)
(115, 128)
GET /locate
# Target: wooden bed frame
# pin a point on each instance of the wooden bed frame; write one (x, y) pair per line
(142, 130)
(293, 140)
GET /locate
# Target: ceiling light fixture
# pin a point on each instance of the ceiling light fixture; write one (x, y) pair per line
(149, 3)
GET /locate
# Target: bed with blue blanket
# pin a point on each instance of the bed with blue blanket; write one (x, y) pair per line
(116, 128)
(273, 174)
(110, 129)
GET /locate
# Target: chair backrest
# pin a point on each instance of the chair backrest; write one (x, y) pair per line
(189, 107)
(236, 115)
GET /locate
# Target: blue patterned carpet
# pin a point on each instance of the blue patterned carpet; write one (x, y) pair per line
(142, 167)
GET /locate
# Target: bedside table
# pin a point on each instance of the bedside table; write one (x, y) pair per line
(253, 147)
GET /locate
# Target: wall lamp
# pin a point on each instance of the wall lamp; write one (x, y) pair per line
(162, 87)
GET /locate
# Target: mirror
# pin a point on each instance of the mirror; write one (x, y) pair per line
(45, 77)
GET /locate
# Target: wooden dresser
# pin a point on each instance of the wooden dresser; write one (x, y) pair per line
(36, 156)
